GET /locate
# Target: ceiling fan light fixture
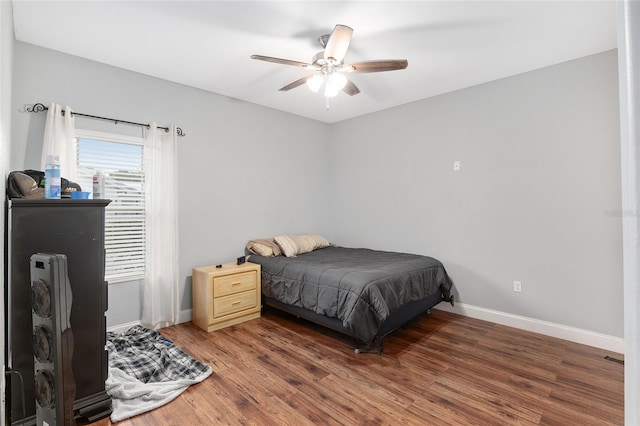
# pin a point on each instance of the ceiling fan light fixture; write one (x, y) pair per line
(334, 83)
(337, 80)
(330, 91)
(314, 83)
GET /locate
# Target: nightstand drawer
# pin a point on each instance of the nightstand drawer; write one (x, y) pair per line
(236, 283)
(233, 303)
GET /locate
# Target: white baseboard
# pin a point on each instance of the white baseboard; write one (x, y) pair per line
(184, 316)
(572, 334)
(122, 327)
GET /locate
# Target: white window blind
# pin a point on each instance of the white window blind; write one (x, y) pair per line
(121, 159)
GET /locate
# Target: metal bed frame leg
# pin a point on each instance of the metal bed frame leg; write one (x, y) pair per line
(379, 340)
(356, 345)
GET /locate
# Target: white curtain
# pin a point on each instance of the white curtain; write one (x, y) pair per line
(160, 307)
(59, 134)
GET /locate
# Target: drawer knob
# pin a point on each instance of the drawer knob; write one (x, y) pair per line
(236, 303)
(236, 283)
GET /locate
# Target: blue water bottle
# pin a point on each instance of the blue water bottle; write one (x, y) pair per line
(52, 177)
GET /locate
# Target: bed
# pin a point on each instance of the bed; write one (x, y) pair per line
(366, 294)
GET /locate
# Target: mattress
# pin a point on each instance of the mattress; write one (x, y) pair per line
(360, 287)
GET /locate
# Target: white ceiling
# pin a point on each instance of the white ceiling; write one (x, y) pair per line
(207, 44)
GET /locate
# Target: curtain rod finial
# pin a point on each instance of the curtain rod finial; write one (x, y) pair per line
(36, 108)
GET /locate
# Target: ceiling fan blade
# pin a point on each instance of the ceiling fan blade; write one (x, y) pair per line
(280, 61)
(379, 66)
(350, 88)
(338, 43)
(298, 82)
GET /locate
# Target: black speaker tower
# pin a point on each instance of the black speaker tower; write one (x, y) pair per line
(51, 301)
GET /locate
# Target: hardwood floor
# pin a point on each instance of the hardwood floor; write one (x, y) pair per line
(442, 369)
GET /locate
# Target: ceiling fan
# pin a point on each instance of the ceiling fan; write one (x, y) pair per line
(328, 66)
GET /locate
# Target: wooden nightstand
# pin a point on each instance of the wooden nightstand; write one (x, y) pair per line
(225, 296)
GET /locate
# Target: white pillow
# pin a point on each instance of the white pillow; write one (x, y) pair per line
(293, 245)
(287, 244)
(319, 241)
(305, 243)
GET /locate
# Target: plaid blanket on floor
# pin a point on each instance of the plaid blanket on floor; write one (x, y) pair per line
(146, 370)
(149, 357)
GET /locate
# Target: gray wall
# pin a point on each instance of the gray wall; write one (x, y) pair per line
(537, 198)
(245, 171)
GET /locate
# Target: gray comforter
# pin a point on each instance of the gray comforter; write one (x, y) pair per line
(358, 286)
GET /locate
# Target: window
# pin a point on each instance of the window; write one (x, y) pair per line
(121, 158)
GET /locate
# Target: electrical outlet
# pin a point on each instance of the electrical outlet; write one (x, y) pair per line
(456, 166)
(517, 286)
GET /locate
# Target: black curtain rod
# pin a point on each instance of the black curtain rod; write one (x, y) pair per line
(40, 107)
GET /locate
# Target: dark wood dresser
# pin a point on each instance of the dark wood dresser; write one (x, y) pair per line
(74, 228)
